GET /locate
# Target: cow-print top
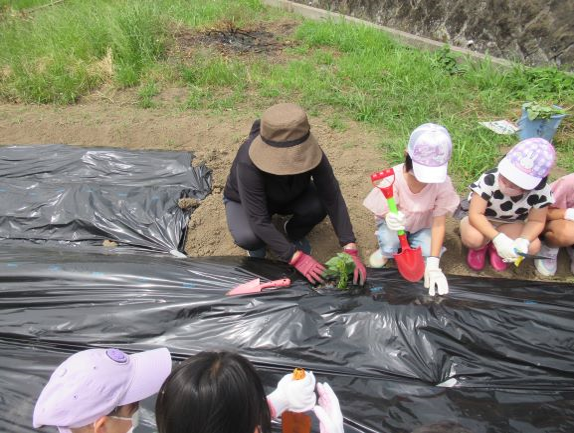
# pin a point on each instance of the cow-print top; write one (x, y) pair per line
(504, 207)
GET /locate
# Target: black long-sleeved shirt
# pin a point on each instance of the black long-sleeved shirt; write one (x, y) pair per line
(260, 192)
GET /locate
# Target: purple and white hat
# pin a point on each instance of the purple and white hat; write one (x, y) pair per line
(528, 162)
(92, 383)
(430, 148)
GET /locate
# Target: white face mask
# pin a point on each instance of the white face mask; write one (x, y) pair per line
(507, 189)
(135, 419)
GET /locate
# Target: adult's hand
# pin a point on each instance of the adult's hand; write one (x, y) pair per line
(360, 272)
(293, 395)
(308, 266)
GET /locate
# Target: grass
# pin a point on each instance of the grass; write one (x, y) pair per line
(21, 4)
(146, 94)
(53, 56)
(357, 72)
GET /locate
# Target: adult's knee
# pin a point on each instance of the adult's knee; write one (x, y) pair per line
(314, 211)
(247, 240)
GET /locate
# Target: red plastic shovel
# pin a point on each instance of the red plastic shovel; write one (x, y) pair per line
(410, 262)
(256, 286)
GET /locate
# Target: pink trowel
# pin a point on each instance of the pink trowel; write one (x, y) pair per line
(256, 286)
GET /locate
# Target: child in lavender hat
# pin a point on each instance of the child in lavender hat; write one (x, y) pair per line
(508, 206)
(98, 390)
(425, 197)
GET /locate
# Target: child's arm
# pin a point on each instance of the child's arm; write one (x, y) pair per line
(555, 213)
(535, 224)
(477, 218)
(437, 234)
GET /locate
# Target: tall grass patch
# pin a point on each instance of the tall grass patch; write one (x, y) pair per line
(21, 4)
(47, 56)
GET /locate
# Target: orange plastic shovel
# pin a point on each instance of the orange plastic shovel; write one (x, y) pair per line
(255, 286)
(410, 262)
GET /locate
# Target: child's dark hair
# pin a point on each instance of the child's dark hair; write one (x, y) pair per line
(213, 392)
(542, 183)
(408, 163)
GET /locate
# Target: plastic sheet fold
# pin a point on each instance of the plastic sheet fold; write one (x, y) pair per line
(73, 195)
(494, 355)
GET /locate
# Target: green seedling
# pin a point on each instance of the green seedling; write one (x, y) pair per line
(535, 110)
(339, 268)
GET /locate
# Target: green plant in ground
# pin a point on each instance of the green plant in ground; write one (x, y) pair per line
(340, 268)
(535, 110)
(538, 83)
(336, 123)
(146, 94)
(446, 60)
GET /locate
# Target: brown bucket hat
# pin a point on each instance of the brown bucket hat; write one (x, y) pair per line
(285, 145)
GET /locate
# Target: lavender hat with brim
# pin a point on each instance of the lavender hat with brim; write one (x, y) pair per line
(92, 383)
(528, 163)
(430, 148)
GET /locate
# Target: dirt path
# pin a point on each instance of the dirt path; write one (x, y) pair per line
(215, 139)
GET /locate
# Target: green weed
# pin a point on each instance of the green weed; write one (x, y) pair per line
(147, 93)
(337, 124)
(198, 98)
(448, 61)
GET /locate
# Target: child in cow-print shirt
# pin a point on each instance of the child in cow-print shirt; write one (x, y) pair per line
(508, 206)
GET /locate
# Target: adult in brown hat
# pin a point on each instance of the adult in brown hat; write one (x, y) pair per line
(280, 169)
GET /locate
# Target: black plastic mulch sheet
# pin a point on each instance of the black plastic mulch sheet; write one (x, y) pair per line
(74, 195)
(493, 355)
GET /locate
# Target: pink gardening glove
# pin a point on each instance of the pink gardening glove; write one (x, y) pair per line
(328, 411)
(360, 270)
(309, 267)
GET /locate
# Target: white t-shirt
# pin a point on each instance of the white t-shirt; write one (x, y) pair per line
(504, 207)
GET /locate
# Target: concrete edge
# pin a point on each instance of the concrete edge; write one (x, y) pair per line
(407, 38)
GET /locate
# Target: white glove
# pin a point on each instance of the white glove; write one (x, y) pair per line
(396, 221)
(293, 395)
(328, 411)
(521, 245)
(504, 247)
(434, 277)
(569, 214)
